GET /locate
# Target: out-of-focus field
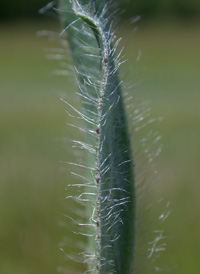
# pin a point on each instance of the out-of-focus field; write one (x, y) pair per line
(32, 123)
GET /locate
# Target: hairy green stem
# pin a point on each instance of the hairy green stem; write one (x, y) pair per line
(89, 35)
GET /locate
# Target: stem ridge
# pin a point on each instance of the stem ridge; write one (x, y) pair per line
(113, 207)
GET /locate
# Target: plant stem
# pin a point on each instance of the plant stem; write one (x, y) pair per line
(90, 39)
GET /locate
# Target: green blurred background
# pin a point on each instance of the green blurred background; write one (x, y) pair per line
(33, 130)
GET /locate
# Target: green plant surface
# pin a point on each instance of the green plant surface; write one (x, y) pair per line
(32, 117)
(113, 211)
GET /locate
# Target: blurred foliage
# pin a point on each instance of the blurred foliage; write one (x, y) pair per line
(153, 8)
(148, 8)
(32, 142)
(20, 8)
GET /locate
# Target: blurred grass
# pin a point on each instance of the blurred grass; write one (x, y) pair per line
(32, 118)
